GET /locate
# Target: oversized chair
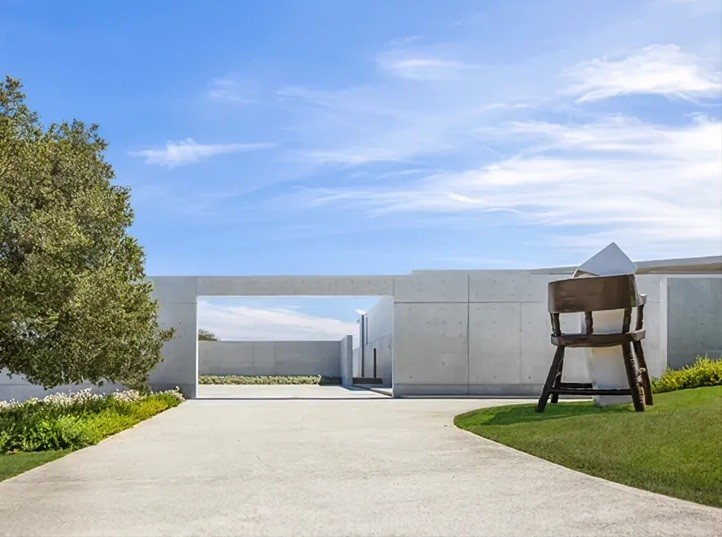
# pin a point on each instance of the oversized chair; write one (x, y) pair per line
(599, 293)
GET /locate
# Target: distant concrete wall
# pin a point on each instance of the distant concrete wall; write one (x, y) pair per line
(694, 319)
(487, 332)
(379, 341)
(270, 358)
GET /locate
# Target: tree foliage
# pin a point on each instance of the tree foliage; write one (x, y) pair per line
(206, 335)
(76, 305)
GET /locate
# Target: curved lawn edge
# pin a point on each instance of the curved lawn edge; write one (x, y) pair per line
(94, 427)
(673, 448)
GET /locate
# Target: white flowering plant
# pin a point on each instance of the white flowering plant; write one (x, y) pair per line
(76, 419)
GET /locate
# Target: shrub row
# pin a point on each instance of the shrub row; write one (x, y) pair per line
(257, 380)
(71, 421)
(704, 372)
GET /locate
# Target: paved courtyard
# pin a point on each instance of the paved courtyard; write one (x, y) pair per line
(330, 463)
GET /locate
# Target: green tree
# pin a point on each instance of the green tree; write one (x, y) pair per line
(206, 335)
(75, 304)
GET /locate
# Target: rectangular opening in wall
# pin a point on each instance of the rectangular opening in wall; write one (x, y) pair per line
(247, 343)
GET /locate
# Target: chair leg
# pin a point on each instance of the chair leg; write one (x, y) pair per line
(646, 383)
(557, 382)
(558, 357)
(631, 370)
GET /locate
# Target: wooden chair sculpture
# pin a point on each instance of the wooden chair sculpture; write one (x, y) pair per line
(588, 295)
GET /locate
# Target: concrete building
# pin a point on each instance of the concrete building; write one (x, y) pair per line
(455, 332)
(462, 332)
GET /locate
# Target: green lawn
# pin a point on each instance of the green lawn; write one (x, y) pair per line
(673, 448)
(17, 463)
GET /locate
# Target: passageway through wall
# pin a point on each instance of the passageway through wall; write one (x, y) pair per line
(247, 342)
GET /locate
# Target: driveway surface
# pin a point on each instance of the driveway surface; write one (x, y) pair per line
(325, 466)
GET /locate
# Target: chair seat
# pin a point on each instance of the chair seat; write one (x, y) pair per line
(597, 340)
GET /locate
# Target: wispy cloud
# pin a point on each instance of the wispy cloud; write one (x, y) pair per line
(370, 124)
(188, 152)
(229, 89)
(621, 176)
(418, 65)
(656, 69)
(242, 322)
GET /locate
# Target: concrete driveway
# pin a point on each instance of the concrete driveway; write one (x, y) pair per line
(326, 466)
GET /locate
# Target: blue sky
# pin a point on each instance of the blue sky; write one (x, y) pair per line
(324, 137)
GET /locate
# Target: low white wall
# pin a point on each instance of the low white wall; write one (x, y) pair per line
(269, 358)
(19, 389)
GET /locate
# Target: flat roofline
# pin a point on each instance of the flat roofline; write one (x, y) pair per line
(682, 265)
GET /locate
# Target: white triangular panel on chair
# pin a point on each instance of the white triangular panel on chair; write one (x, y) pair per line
(611, 261)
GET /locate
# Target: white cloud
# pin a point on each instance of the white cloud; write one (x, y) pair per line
(629, 180)
(656, 69)
(188, 151)
(242, 322)
(229, 89)
(417, 65)
(377, 124)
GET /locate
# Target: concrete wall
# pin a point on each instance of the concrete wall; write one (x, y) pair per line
(270, 358)
(346, 360)
(177, 296)
(694, 318)
(457, 332)
(487, 332)
(18, 388)
(379, 339)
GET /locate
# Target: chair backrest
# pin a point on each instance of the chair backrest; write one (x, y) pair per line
(598, 293)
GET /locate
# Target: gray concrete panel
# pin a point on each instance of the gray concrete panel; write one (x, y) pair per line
(308, 358)
(538, 289)
(430, 287)
(694, 319)
(263, 358)
(650, 285)
(494, 343)
(236, 358)
(380, 318)
(430, 389)
(178, 367)
(513, 389)
(270, 358)
(498, 286)
(536, 349)
(295, 285)
(175, 288)
(346, 360)
(431, 344)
